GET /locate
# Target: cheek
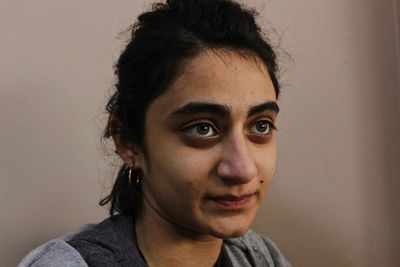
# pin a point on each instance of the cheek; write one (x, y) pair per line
(177, 167)
(267, 165)
(193, 167)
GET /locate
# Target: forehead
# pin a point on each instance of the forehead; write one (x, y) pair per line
(222, 77)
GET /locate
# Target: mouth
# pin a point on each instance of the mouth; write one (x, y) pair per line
(231, 202)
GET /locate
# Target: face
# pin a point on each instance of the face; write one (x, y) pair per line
(210, 145)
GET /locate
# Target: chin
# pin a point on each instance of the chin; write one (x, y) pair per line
(225, 235)
(230, 230)
(229, 225)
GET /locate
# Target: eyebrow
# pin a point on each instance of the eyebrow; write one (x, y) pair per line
(221, 110)
(202, 107)
(267, 106)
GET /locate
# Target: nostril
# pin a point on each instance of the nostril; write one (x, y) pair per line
(238, 171)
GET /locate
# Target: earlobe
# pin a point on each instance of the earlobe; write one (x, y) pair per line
(125, 154)
(128, 151)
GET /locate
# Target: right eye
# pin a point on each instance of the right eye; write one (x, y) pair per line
(201, 129)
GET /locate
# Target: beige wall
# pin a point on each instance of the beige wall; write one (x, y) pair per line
(336, 196)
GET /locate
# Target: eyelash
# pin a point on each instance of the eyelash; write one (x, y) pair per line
(270, 126)
(196, 125)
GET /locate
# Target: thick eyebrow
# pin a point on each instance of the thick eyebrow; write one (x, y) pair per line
(269, 105)
(202, 107)
(221, 110)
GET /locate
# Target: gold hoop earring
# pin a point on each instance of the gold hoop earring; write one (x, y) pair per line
(130, 178)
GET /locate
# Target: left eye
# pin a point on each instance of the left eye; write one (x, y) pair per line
(262, 127)
(201, 130)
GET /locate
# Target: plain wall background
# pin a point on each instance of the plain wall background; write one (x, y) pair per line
(336, 196)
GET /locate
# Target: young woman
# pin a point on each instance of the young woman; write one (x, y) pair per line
(193, 119)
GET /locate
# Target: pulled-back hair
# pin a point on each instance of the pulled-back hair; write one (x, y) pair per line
(161, 40)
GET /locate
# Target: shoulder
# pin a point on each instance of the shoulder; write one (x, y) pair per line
(252, 249)
(109, 243)
(56, 252)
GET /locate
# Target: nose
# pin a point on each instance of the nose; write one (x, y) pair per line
(236, 164)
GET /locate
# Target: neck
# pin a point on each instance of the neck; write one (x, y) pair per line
(164, 244)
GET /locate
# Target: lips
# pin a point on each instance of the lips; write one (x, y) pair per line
(230, 197)
(231, 202)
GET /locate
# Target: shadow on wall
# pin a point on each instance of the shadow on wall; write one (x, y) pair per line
(305, 237)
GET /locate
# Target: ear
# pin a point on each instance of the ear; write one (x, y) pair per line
(129, 152)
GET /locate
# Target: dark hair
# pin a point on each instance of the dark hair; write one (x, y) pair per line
(161, 39)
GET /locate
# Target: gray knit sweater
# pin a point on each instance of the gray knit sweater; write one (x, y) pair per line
(110, 243)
